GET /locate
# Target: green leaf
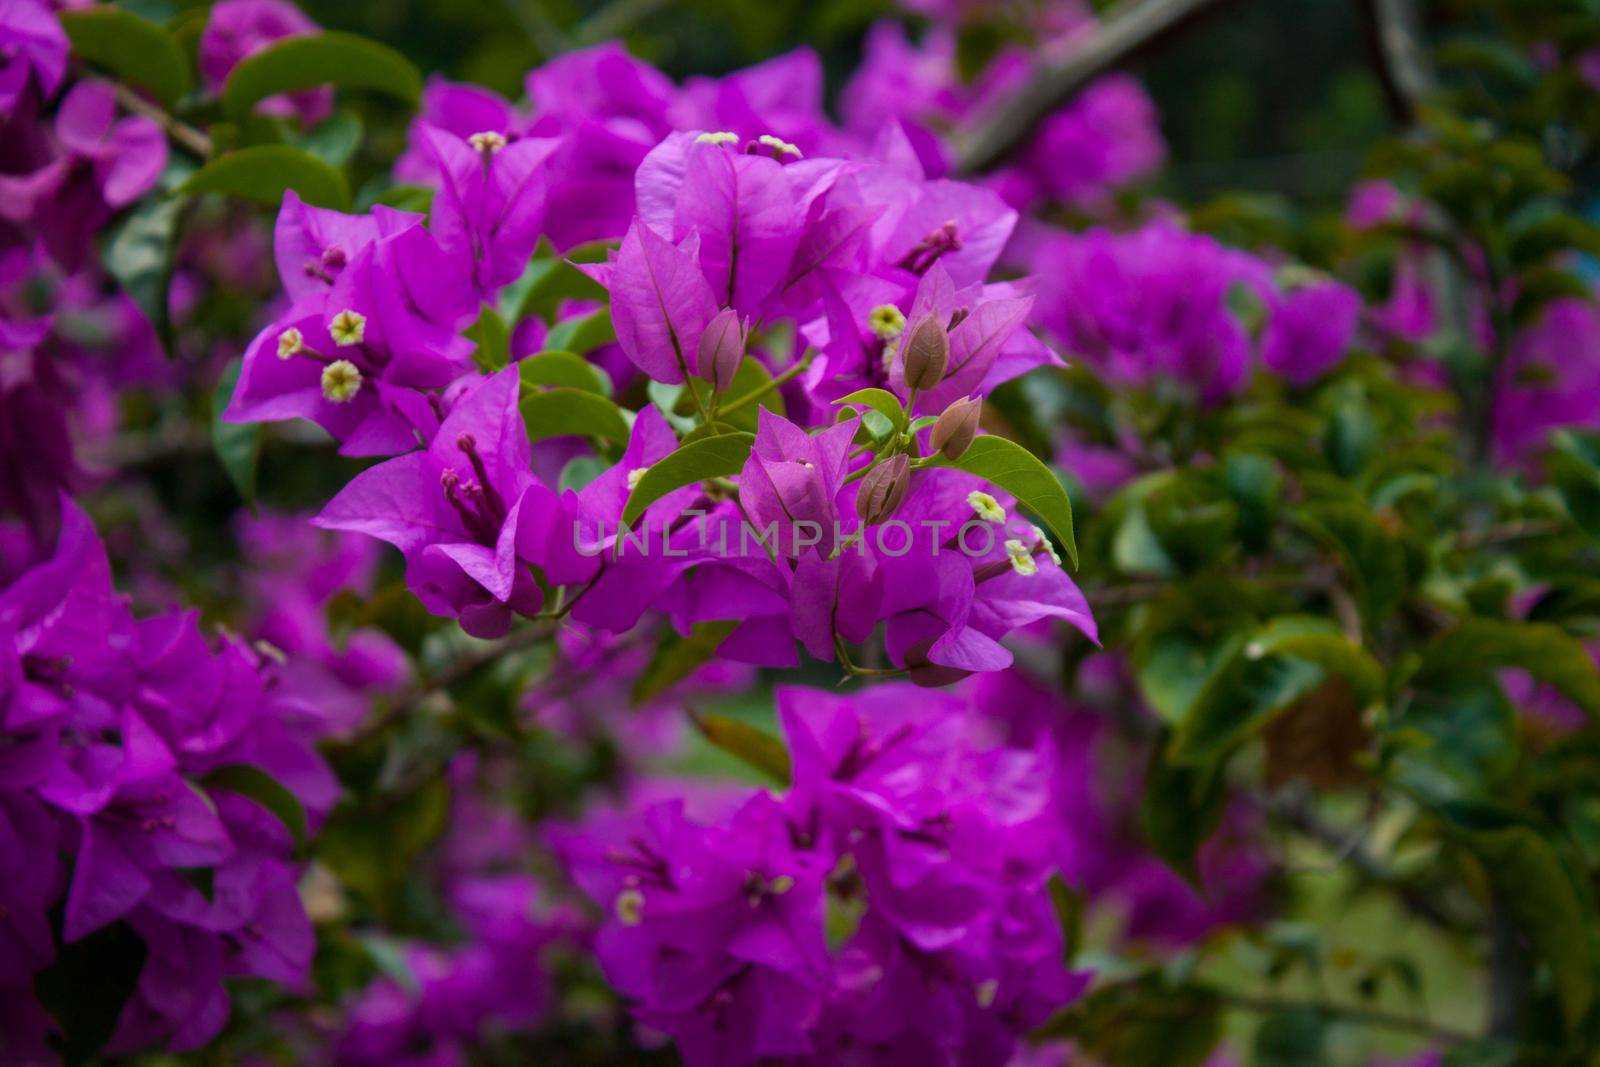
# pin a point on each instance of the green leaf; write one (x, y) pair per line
(335, 140)
(237, 444)
(253, 783)
(372, 846)
(1147, 1021)
(757, 748)
(1172, 667)
(1374, 561)
(551, 278)
(583, 334)
(1069, 908)
(580, 471)
(417, 199)
(134, 49)
(1322, 642)
(561, 412)
(678, 657)
(1255, 485)
(879, 400)
(552, 367)
(1352, 437)
(751, 378)
(1544, 650)
(489, 333)
(1250, 689)
(329, 58)
(694, 461)
(1005, 463)
(1181, 807)
(1547, 905)
(87, 985)
(1290, 1038)
(1574, 465)
(138, 250)
(263, 172)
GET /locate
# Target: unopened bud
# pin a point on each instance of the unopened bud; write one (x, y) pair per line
(883, 489)
(718, 137)
(955, 427)
(721, 349)
(341, 381)
(926, 354)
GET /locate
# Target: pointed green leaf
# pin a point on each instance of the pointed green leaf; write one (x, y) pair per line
(1069, 906)
(237, 444)
(335, 140)
(1548, 906)
(134, 49)
(138, 250)
(253, 783)
(552, 367)
(879, 400)
(551, 278)
(1544, 650)
(708, 457)
(1019, 472)
(678, 657)
(329, 58)
(489, 333)
(755, 747)
(576, 412)
(262, 172)
(582, 334)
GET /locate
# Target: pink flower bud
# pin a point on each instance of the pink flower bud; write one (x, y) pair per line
(955, 428)
(883, 489)
(721, 349)
(926, 353)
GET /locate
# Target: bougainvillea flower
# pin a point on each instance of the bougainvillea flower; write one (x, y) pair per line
(454, 509)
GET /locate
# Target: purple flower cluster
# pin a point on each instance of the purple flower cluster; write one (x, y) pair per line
(730, 241)
(890, 907)
(325, 682)
(1105, 138)
(1156, 307)
(67, 338)
(132, 753)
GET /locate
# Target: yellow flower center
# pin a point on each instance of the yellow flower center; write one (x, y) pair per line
(1021, 558)
(291, 342)
(348, 328)
(341, 381)
(985, 506)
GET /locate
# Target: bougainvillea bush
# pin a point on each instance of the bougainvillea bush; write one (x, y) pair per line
(827, 563)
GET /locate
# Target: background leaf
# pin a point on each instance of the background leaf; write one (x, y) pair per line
(134, 49)
(263, 172)
(1019, 472)
(694, 461)
(329, 58)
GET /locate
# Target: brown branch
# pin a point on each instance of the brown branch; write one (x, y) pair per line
(183, 133)
(1394, 32)
(456, 671)
(1377, 1017)
(1129, 28)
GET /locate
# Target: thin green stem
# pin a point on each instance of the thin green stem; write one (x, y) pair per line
(776, 383)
